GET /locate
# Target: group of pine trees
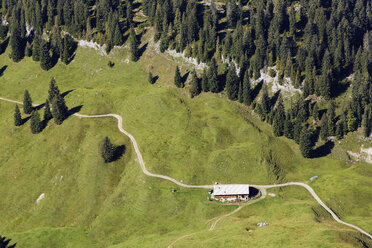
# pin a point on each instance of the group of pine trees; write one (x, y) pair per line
(54, 108)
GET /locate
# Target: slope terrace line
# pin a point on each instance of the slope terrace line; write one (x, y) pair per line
(260, 187)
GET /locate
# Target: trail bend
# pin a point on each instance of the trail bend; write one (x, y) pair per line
(260, 187)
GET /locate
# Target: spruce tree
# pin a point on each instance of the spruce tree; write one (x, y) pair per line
(366, 124)
(324, 127)
(288, 127)
(195, 88)
(107, 151)
(279, 118)
(213, 77)
(177, 78)
(36, 48)
(297, 131)
(315, 112)
(247, 92)
(331, 116)
(59, 109)
(265, 101)
(16, 42)
(47, 113)
(45, 59)
(340, 130)
(232, 83)
(35, 122)
(27, 103)
(205, 83)
(133, 45)
(53, 90)
(305, 143)
(17, 117)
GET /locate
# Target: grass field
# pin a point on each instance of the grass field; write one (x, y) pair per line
(198, 141)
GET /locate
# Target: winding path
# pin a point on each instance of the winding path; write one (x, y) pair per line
(260, 187)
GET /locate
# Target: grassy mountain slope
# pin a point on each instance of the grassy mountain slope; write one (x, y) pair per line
(199, 141)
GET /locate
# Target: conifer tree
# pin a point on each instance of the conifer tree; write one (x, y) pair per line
(232, 83)
(47, 113)
(35, 122)
(27, 103)
(36, 48)
(59, 109)
(288, 127)
(177, 78)
(305, 143)
(17, 117)
(205, 83)
(107, 151)
(279, 118)
(16, 42)
(367, 123)
(133, 45)
(339, 130)
(315, 112)
(195, 88)
(324, 127)
(45, 59)
(53, 90)
(265, 102)
(297, 131)
(213, 77)
(331, 116)
(351, 121)
(247, 92)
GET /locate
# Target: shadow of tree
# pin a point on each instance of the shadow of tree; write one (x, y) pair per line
(3, 69)
(184, 77)
(323, 150)
(119, 152)
(257, 90)
(142, 49)
(74, 110)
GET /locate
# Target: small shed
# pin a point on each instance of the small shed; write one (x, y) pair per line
(231, 192)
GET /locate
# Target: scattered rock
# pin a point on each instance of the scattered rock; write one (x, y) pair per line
(40, 198)
(174, 190)
(262, 224)
(272, 194)
(314, 178)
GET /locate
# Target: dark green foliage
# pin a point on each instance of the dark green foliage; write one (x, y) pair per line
(340, 130)
(315, 112)
(279, 118)
(305, 143)
(59, 109)
(35, 122)
(107, 151)
(16, 43)
(177, 78)
(213, 77)
(27, 103)
(331, 116)
(195, 88)
(205, 82)
(36, 48)
(265, 102)
(324, 132)
(3, 31)
(367, 123)
(45, 58)
(351, 121)
(297, 128)
(288, 127)
(17, 117)
(232, 83)
(247, 92)
(53, 90)
(47, 113)
(133, 45)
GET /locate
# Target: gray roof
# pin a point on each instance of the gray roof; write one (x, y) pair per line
(231, 189)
